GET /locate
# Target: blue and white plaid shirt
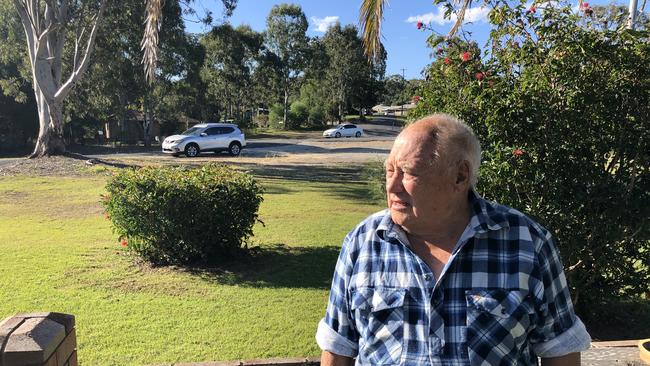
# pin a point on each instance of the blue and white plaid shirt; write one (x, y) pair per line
(502, 299)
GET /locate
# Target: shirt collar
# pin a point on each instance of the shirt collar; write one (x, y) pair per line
(485, 217)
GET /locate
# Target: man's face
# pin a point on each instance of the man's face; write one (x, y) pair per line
(419, 192)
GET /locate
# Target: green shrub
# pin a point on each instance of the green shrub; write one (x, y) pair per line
(316, 116)
(374, 175)
(563, 118)
(276, 114)
(179, 216)
(299, 113)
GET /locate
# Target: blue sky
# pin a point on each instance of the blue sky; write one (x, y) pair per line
(405, 44)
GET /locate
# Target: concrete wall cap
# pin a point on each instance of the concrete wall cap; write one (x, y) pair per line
(33, 342)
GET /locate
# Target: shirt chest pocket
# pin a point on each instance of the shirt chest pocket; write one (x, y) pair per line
(498, 324)
(379, 318)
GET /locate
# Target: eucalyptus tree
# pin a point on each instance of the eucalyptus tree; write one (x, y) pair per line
(114, 84)
(349, 74)
(49, 27)
(286, 27)
(231, 54)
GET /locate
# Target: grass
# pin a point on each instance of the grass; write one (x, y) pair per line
(59, 254)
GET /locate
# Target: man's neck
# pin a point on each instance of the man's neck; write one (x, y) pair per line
(444, 235)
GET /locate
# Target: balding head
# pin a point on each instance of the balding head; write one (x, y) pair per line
(449, 140)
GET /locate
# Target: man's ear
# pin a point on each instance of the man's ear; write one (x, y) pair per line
(462, 173)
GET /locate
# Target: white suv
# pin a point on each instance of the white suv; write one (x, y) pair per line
(215, 137)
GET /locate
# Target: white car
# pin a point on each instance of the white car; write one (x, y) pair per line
(344, 130)
(203, 137)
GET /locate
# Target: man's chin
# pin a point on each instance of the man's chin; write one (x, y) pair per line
(400, 217)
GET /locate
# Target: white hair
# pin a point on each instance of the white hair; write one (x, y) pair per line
(457, 140)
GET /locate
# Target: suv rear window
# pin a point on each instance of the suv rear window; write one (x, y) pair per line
(212, 131)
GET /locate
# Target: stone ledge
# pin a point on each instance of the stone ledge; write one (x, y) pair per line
(296, 361)
(626, 343)
(43, 339)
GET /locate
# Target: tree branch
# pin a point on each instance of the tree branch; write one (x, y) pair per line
(79, 70)
(28, 26)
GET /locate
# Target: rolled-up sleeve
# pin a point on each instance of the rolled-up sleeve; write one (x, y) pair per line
(558, 330)
(336, 331)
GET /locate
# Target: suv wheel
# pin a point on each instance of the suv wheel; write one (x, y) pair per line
(337, 135)
(235, 148)
(192, 150)
(358, 134)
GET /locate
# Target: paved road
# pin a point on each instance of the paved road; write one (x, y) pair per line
(378, 138)
(374, 145)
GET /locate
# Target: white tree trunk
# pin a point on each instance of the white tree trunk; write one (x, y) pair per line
(286, 107)
(45, 31)
(50, 136)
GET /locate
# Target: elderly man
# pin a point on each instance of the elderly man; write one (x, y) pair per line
(443, 277)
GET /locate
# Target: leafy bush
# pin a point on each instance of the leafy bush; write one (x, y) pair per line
(374, 175)
(316, 116)
(179, 216)
(563, 117)
(299, 112)
(276, 113)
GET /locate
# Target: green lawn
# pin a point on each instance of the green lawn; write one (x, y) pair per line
(59, 254)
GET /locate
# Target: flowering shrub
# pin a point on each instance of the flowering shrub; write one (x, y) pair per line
(561, 107)
(178, 216)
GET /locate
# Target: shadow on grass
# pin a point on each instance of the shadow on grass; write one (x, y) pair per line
(277, 266)
(308, 173)
(348, 179)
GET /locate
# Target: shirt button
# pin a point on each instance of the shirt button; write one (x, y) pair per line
(427, 277)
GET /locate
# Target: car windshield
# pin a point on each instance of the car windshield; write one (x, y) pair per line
(191, 131)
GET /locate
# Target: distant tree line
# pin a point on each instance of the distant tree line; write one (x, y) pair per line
(279, 78)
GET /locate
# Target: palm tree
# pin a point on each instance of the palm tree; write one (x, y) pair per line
(371, 15)
(152, 26)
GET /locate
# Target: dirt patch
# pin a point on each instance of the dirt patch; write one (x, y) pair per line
(13, 196)
(61, 166)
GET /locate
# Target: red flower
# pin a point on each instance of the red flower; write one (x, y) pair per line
(585, 5)
(479, 76)
(447, 61)
(466, 56)
(532, 9)
(416, 98)
(518, 152)
(419, 25)
(124, 243)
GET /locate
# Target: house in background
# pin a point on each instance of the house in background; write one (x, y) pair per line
(131, 130)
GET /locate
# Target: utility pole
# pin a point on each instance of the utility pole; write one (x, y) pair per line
(403, 77)
(631, 18)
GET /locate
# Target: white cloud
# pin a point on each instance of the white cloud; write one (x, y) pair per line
(474, 15)
(322, 24)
